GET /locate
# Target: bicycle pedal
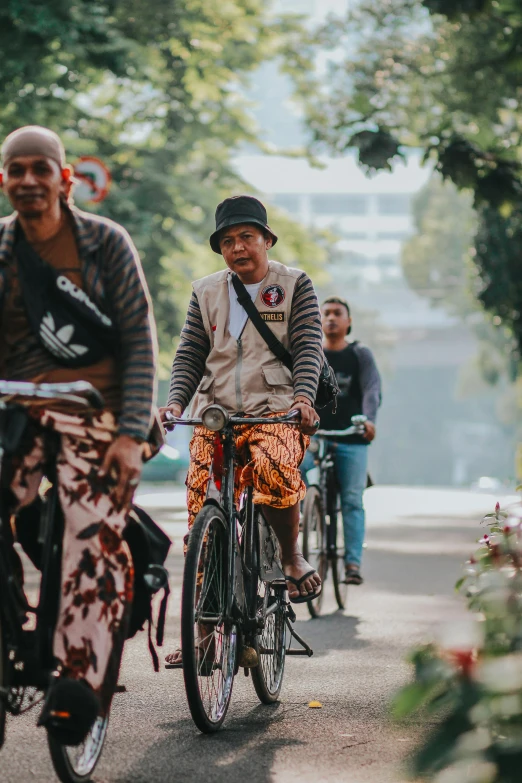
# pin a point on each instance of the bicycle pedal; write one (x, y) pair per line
(249, 658)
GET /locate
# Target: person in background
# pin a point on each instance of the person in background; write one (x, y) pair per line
(360, 385)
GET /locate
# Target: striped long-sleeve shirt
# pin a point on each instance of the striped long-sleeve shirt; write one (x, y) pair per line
(113, 278)
(305, 345)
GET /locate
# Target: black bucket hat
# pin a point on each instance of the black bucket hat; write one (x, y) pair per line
(239, 209)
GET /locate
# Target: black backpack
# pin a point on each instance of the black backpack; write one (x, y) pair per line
(149, 547)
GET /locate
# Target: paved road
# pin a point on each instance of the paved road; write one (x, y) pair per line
(417, 541)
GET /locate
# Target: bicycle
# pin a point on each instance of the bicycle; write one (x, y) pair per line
(27, 663)
(322, 533)
(234, 607)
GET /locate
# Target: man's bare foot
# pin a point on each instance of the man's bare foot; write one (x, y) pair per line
(206, 648)
(174, 658)
(297, 567)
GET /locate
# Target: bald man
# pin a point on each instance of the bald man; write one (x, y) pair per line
(93, 264)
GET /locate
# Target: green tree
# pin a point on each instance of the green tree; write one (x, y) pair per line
(443, 75)
(154, 89)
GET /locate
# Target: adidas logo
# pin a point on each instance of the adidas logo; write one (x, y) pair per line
(59, 342)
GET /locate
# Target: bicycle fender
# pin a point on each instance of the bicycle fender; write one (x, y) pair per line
(216, 504)
(269, 565)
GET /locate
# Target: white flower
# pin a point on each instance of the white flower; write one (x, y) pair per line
(468, 772)
(502, 674)
(464, 634)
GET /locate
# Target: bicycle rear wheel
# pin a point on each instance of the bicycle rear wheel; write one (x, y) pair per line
(208, 637)
(76, 764)
(270, 644)
(336, 554)
(314, 537)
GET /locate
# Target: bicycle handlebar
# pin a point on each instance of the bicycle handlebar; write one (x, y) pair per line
(78, 392)
(288, 418)
(357, 428)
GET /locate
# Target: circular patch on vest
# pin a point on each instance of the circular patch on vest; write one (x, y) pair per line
(273, 295)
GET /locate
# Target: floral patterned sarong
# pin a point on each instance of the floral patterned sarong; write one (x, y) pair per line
(97, 573)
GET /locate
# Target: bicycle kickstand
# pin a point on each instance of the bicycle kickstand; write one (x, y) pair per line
(290, 617)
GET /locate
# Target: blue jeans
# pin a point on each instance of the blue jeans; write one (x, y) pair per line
(351, 467)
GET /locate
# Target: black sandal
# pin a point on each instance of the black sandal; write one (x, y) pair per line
(298, 582)
(352, 576)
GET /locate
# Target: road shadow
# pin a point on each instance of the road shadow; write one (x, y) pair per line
(335, 631)
(243, 750)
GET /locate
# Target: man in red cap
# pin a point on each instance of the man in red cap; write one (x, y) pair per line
(52, 254)
(223, 359)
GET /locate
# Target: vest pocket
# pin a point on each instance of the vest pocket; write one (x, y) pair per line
(279, 381)
(206, 386)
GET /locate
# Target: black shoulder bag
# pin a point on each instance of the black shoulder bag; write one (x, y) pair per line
(327, 389)
(68, 324)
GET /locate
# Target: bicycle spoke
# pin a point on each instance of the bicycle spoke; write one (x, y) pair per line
(268, 676)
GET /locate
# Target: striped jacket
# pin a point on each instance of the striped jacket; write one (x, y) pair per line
(113, 278)
(305, 345)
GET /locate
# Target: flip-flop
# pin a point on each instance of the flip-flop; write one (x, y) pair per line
(175, 665)
(298, 582)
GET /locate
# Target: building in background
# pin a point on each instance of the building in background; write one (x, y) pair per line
(370, 217)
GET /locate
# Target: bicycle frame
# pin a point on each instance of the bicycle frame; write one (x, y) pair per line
(326, 481)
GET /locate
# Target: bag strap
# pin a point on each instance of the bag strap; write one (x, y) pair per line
(275, 345)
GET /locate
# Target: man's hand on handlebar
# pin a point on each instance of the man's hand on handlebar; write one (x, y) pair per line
(309, 417)
(174, 410)
(369, 433)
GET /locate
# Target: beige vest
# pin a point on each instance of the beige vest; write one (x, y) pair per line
(244, 375)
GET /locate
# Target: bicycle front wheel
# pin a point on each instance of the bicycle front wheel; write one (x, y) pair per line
(314, 542)
(270, 645)
(208, 637)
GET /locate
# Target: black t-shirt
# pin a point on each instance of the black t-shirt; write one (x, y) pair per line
(349, 401)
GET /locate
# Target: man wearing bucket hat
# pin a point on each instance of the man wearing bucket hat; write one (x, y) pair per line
(223, 359)
(74, 305)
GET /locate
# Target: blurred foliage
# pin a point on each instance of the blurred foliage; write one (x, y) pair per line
(436, 259)
(498, 258)
(444, 76)
(469, 684)
(154, 89)
(440, 263)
